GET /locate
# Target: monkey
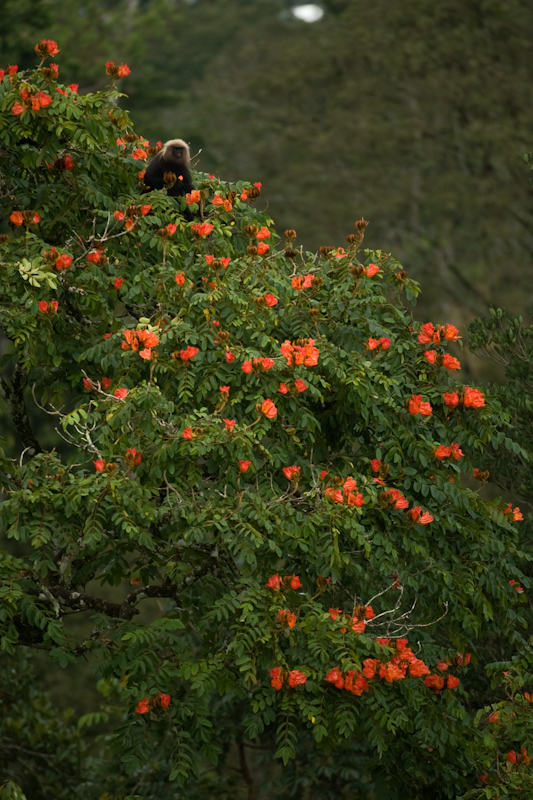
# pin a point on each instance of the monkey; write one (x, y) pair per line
(173, 158)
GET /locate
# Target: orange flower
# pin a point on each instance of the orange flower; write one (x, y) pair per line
(132, 457)
(277, 680)
(187, 433)
(300, 385)
(46, 48)
(451, 399)
(449, 362)
(264, 233)
(230, 424)
(274, 582)
(285, 617)
(180, 278)
(292, 473)
(202, 229)
(244, 465)
(262, 248)
(16, 218)
(118, 283)
(17, 109)
(296, 678)
(188, 353)
(193, 197)
(473, 398)
(120, 394)
(269, 409)
(417, 406)
(371, 270)
(431, 356)
(452, 682)
(143, 706)
(229, 356)
(419, 517)
(270, 300)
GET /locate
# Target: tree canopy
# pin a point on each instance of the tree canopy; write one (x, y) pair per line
(242, 482)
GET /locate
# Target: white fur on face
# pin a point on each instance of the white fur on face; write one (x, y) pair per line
(178, 143)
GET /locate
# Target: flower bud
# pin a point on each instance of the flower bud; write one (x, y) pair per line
(169, 179)
(353, 238)
(326, 250)
(291, 253)
(314, 312)
(361, 224)
(252, 250)
(153, 151)
(253, 192)
(250, 230)
(357, 271)
(290, 234)
(3, 238)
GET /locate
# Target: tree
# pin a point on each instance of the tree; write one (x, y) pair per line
(252, 521)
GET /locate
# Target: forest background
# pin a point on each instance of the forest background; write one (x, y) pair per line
(415, 116)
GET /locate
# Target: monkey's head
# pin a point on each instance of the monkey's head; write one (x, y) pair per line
(176, 151)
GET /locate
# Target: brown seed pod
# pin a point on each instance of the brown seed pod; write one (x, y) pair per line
(290, 252)
(252, 250)
(361, 224)
(290, 234)
(3, 238)
(326, 250)
(250, 230)
(253, 192)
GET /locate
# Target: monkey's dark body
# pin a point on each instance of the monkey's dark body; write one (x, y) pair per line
(174, 157)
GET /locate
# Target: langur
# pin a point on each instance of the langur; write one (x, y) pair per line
(170, 169)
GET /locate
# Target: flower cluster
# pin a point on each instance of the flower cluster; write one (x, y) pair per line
(437, 682)
(520, 758)
(402, 663)
(418, 516)
(47, 48)
(515, 513)
(60, 261)
(308, 281)
(140, 341)
(285, 583)
(268, 300)
(91, 385)
(448, 451)
(130, 215)
(417, 406)
(432, 334)
(296, 387)
(222, 201)
(356, 621)
(469, 398)
(286, 618)
(348, 495)
(394, 498)
(48, 307)
(300, 352)
(292, 473)
(159, 701)
(292, 679)
(267, 408)
(185, 355)
(116, 72)
(104, 466)
(447, 361)
(257, 365)
(132, 457)
(378, 344)
(202, 228)
(26, 218)
(63, 164)
(35, 101)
